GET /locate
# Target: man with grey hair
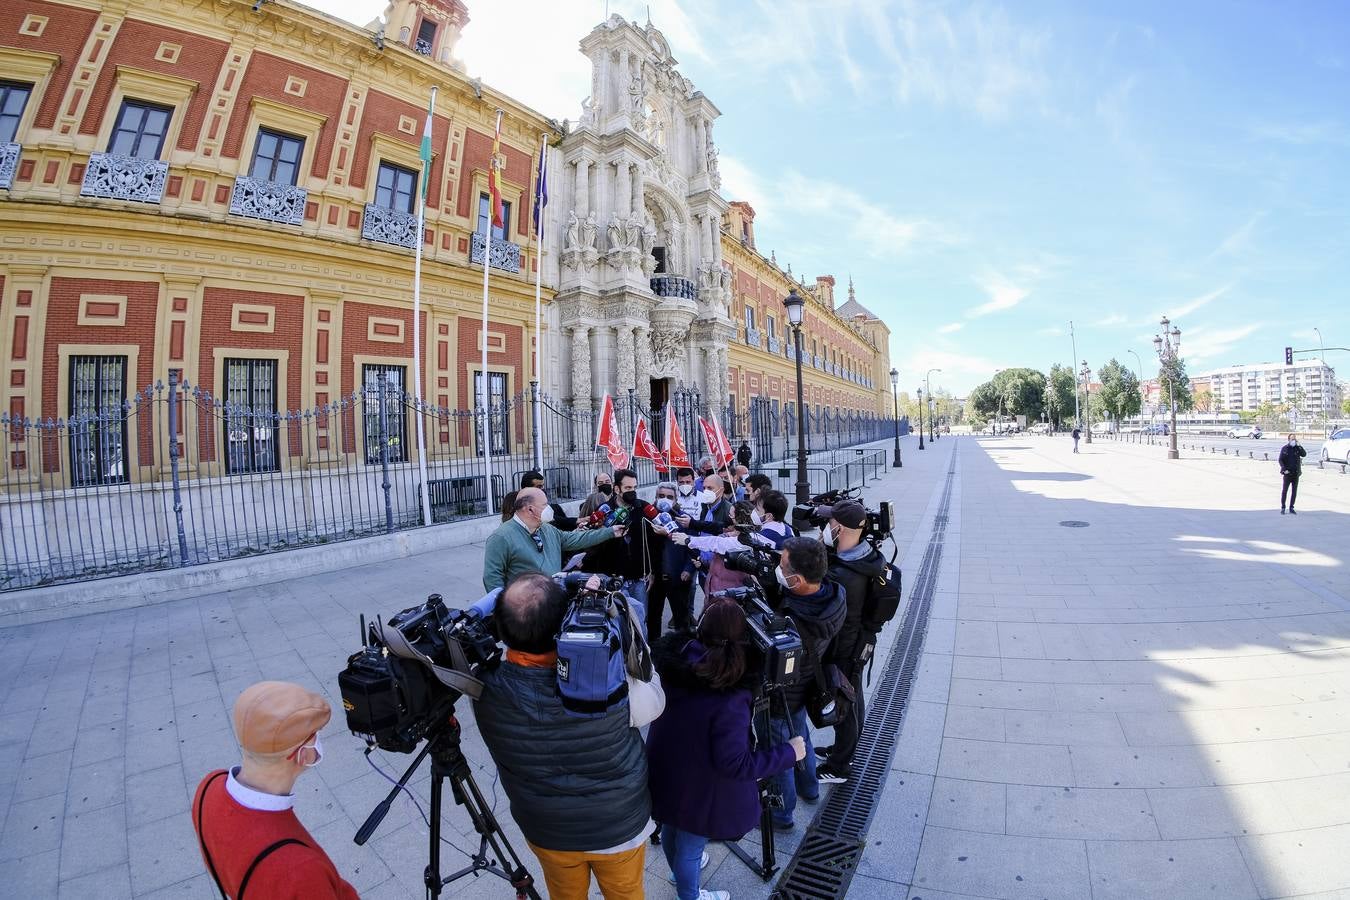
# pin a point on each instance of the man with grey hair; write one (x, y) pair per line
(674, 578)
(526, 542)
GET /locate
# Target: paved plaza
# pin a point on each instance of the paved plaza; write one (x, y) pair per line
(1135, 684)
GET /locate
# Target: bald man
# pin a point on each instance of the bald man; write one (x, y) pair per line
(247, 831)
(528, 543)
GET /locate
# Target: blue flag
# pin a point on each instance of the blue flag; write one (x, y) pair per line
(541, 185)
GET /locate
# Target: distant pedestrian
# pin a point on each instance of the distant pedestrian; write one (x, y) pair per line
(1076, 435)
(1291, 467)
(743, 454)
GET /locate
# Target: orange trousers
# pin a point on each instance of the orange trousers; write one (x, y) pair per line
(567, 873)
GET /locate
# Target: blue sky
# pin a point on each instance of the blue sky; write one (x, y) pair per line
(988, 172)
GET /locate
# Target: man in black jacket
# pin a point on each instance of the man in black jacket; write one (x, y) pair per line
(854, 566)
(1291, 467)
(714, 509)
(577, 786)
(636, 558)
(817, 608)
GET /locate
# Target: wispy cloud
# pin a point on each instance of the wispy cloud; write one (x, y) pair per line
(951, 327)
(1002, 292)
(1052, 331)
(1111, 320)
(1209, 344)
(1196, 303)
(1238, 239)
(1302, 134)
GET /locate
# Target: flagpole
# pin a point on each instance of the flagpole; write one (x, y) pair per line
(417, 312)
(542, 205)
(486, 438)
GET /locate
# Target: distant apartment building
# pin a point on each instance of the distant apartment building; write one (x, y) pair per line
(1308, 385)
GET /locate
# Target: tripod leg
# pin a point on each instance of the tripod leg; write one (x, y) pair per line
(485, 823)
(432, 877)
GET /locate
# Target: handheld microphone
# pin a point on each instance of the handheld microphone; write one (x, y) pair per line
(598, 517)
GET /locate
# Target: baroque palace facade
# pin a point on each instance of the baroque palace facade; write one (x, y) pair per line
(226, 190)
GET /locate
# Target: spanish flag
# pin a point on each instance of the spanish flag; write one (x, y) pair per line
(494, 187)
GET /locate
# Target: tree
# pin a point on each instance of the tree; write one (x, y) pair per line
(1175, 384)
(1345, 405)
(1022, 392)
(1120, 390)
(1059, 398)
(1204, 401)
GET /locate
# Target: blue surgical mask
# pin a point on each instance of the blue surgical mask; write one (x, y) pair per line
(665, 504)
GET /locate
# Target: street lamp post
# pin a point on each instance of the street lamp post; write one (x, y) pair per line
(1140, 367)
(794, 303)
(931, 434)
(920, 393)
(1168, 346)
(895, 395)
(1087, 400)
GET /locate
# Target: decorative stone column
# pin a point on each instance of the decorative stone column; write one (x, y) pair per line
(581, 366)
(624, 361)
(644, 366)
(583, 195)
(623, 189)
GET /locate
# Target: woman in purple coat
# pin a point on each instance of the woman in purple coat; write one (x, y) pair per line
(702, 767)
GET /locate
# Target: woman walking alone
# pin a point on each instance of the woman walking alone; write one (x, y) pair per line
(702, 764)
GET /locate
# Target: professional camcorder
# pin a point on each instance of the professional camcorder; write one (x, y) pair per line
(876, 528)
(599, 645)
(776, 652)
(402, 683)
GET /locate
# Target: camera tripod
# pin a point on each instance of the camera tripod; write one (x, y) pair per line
(447, 761)
(770, 798)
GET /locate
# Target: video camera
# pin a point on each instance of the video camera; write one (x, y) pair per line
(776, 655)
(876, 527)
(405, 679)
(599, 644)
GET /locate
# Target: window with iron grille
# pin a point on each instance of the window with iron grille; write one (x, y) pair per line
(140, 130)
(13, 98)
(750, 318)
(98, 420)
(485, 216)
(426, 37)
(395, 188)
(393, 431)
(276, 157)
(252, 431)
(499, 425)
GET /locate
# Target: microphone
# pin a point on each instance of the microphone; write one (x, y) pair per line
(598, 517)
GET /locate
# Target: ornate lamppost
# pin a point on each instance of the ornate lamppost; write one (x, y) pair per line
(920, 393)
(895, 395)
(932, 435)
(1168, 347)
(1087, 400)
(794, 305)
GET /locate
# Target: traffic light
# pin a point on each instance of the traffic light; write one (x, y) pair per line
(1288, 356)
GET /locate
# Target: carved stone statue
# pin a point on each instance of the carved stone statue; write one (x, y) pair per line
(572, 241)
(714, 177)
(667, 353)
(588, 115)
(648, 242)
(590, 231)
(615, 234)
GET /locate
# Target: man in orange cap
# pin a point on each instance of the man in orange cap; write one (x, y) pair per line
(249, 835)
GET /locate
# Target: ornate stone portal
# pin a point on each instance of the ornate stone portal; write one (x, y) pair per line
(644, 295)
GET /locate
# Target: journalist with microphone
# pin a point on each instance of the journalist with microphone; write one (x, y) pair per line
(528, 543)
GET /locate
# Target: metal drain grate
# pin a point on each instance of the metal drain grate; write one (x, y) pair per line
(1073, 523)
(828, 856)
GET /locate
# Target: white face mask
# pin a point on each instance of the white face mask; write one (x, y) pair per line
(318, 752)
(827, 536)
(707, 496)
(756, 517)
(1293, 441)
(686, 490)
(547, 514)
(782, 579)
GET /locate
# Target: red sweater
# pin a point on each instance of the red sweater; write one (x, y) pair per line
(235, 835)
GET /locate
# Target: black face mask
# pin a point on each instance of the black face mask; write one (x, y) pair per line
(605, 489)
(630, 497)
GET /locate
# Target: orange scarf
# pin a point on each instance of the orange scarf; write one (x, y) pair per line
(532, 660)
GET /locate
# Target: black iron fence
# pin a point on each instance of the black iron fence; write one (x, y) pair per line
(175, 475)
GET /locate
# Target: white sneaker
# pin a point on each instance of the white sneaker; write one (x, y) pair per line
(714, 895)
(702, 864)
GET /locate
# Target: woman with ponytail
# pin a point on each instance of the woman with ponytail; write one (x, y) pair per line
(702, 764)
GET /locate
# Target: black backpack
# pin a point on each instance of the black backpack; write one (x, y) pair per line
(884, 596)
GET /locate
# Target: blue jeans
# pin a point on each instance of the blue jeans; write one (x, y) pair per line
(636, 589)
(684, 852)
(801, 778)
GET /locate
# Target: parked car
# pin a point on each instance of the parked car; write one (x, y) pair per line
(1244, 431)
(1337, 447)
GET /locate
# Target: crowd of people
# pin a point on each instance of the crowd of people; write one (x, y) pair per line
(589, 791)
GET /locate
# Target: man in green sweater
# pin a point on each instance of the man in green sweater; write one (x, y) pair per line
(527, 543)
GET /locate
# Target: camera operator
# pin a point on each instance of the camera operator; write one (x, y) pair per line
(602, 493)
(246, 827)
(817, 607)
(704, 767)
(854, 565)
(528, 543)
(636, 556)
(577, 785)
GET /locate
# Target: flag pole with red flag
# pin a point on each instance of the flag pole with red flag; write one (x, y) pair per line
(608, 436)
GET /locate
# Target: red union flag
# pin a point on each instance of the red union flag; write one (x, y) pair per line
(724, 452)
(710, 438)
(643, 445)
(608, 438)
(675, 454)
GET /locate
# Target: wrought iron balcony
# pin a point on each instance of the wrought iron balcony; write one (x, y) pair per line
(752, 337)
(422, 47)
(816, 361)
(124, 178)
(389, 226)
(774, 345)
(674, 286)
(270, 201)
(9, 161)
(505, 255)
